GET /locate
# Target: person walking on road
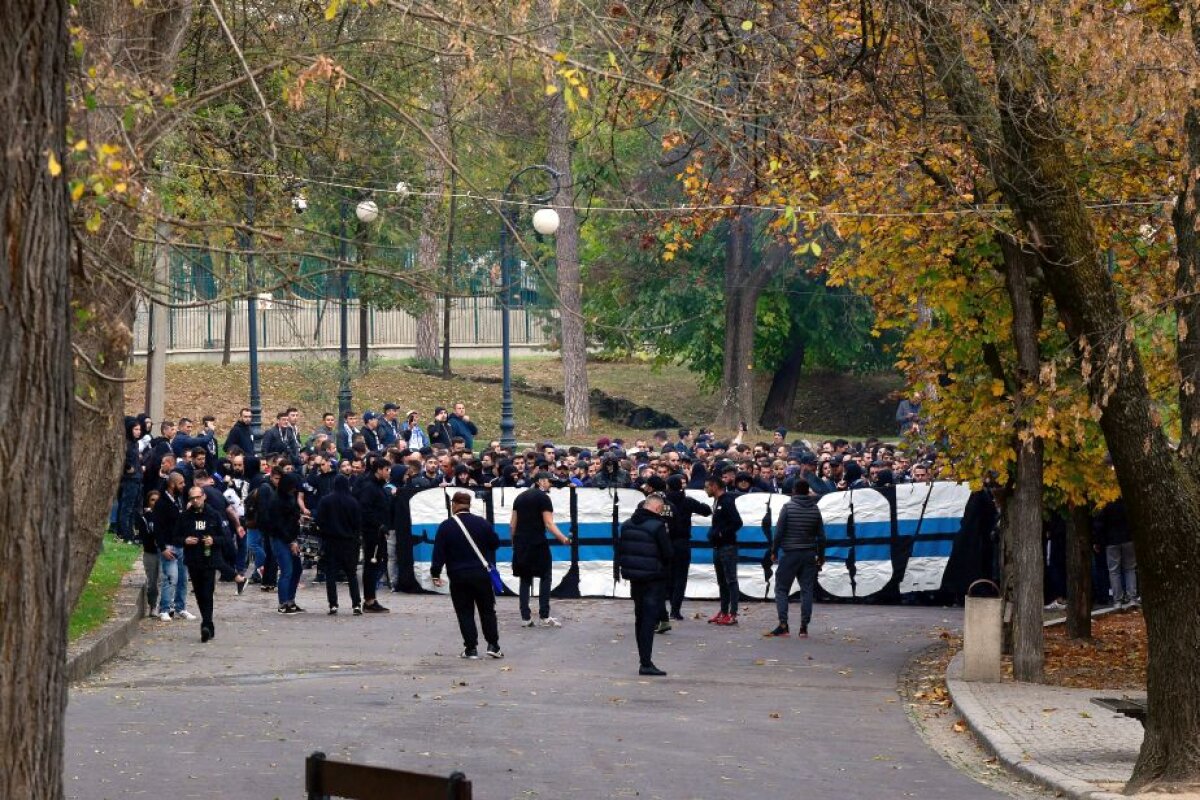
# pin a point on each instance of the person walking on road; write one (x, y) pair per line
(644, 557)
(202, 532)
(532, 516)
(799, 552)
(462, 545)
(723, 536)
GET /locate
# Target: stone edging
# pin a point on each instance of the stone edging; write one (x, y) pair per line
(93, 649)
(1010, 753)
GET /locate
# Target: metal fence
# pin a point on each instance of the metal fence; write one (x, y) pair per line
(289, 325)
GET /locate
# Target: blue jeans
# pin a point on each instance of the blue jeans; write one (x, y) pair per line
(725, 560)
(172, 593)
(289, 571)
(254, 541)
(241, 544)
(795, 564)
(128, 499)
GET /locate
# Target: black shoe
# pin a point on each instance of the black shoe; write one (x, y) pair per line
(205, 634)
(494, 651)
(803, 633)
(650, 669)
(295, 608)
(780, 631)
(374, 608)
(333, 611)
(470, 653)
(255, 577)
(241, 585)
(358, 611)
(662, 627)
(266, 587)
(677, 617)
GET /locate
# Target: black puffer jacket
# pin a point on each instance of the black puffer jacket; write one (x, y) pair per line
(338, 514)
(800, 526)
(644, 549)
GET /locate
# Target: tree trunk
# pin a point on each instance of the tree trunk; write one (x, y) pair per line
(1028, 154)
(35, 395)
(1079, 573)
(1025, 505)
(432, 221)
(576, 407)
(778, 410)
(141, 46)
(742, 289)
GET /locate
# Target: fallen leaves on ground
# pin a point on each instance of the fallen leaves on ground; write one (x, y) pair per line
(1114, 658)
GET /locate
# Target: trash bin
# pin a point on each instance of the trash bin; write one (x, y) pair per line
(982, 635)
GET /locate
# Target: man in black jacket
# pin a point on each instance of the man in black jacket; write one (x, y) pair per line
(202, 533)
(470, 581)
(129, 496)
(279, 441)
(339, 519)
(240, 434)
(679, 526)
(723, 537)
(376, 512)
(799, 551)
(644, 556)
(172, 597)
(440, 434)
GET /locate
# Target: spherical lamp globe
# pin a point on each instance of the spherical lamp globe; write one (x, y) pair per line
(367, 211)
(545, 221)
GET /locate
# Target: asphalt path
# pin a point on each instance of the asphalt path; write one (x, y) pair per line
(564, 715)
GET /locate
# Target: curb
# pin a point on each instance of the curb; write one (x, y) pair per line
(998, 742)
(90, 651)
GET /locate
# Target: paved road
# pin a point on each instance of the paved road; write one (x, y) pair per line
(564, 715)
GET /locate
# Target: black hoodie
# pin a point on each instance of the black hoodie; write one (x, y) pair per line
(133, 463)
(644, 550)
(338, 514)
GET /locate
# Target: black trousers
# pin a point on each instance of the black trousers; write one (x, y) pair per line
(374, 563)
(681, 563)
(341, 555)
(471, 591)
(648, 598)
(204, 584)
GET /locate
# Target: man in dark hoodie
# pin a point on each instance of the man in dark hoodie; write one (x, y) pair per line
(283, 527)
(339, 519)
(202, 532)
(172, 598)
(723, 537)
(799, 551)
(644, 557)
(259, 496)
(679, 526)
(240, 434)
(376, 513)
(129, 495)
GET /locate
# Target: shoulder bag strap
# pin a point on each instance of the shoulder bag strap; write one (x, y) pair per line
(471, 541)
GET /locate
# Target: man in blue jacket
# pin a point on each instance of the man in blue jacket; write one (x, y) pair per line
(470, 581)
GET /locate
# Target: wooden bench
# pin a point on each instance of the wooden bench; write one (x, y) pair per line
(324, 779)
(1134, 709)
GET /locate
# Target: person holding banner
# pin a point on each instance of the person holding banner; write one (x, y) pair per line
(466, 544)
(723, 537)
(532, 516)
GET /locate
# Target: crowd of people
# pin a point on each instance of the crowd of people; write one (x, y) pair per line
(239, 509)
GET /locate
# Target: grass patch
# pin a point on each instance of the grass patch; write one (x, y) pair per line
(95, 604)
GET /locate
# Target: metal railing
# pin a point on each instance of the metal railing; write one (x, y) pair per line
(313, 325)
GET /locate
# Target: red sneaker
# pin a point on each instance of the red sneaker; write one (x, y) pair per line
(730, 619)
(716, 619)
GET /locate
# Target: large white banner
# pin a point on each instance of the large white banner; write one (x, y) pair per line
(866, 538)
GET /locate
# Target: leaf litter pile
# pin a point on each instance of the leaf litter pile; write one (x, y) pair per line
(1114, 658)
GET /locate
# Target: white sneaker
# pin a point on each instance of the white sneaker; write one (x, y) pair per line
(186, 615)
(1055, 606)
(165, 616)
(550, 622)
(527, 623)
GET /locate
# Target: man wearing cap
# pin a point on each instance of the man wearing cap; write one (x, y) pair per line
(440, 434)
(532, 516)
(389, 426)
(370, 431)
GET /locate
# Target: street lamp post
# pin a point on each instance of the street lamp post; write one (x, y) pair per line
(252, 316)
(545, 222)
(368, 212)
